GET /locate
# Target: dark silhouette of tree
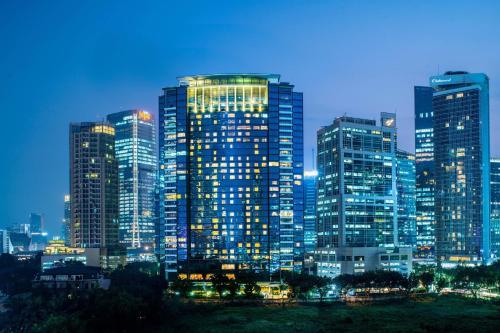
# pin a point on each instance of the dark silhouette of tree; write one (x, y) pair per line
(182, 286)
(219, 283)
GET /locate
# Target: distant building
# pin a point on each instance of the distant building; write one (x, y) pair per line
(5, 243)
(405, 183)
(71, 277)
(57, 254)
(94, 189)
(460, 104)
(495, 206)
(231, 173)
(310, 179)
(66, 222)
(135, 147)
(424, 163)
(21, 242)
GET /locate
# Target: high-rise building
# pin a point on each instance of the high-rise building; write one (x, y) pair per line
(93, 186)
(405, 183)
(462, 167)
(5, 243)
(495, 206)
(66, 222)
(357, 196)
(310, 179)
(36, 222)
(135, 149)
(231, 173)
(37, 233)
(424, 163)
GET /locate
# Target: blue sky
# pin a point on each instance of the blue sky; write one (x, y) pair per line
(63, 61)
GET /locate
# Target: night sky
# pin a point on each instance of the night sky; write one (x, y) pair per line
(63, 61)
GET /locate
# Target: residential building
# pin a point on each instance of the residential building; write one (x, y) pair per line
(5, 243)
(94, 187)
(231, 173)
(424, 164)
(462, 167)
(135, 149)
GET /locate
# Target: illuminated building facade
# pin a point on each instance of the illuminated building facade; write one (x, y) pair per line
(357, 196)
(462, 166)
(231, 173)
(405, 183)
(93, 185)
(424, 163)
(135, 150)
(495, 206)
(310, 180)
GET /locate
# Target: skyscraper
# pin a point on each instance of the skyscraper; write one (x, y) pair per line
(135, 149)
(66, 222)
(310, 180)
(231, 173)
(357, 197)
(405, 183)
(424, 163)
(495, 206)
(93, 186)
(37, 232)
(36, 223)
(462, 166)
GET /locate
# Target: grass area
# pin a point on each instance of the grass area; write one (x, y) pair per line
(443, 314)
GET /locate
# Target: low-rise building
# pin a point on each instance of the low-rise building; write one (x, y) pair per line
(331, 262)
(72, 277)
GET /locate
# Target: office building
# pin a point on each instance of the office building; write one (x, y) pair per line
(36, 223)
(405, 184)
(495, 206)
(66, 222)
(357, 196)
(231, 173)
(332, 262)
(135, 149)
(310, 178)
(462, 167)
(424, 164)
(93, 186)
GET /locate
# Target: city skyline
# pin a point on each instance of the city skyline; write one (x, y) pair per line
(65, 86)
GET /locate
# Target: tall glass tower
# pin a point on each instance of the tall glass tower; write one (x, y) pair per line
(405, 182)
(93, 186)
(231, 173)
(357, 196)
(495, 206)
(424, 163)
(310, 180)
(135, 149)
(462, 166)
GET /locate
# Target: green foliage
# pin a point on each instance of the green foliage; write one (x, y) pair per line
(16, 275)
(219, 283)
(426, 279)
(182, 286)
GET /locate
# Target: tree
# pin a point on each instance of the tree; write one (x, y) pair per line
(426, 279)
(219, 283)
(182, 286)
(441, 283)
(322, 285)
(470, 278)
(233, 286)
(249, 280)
